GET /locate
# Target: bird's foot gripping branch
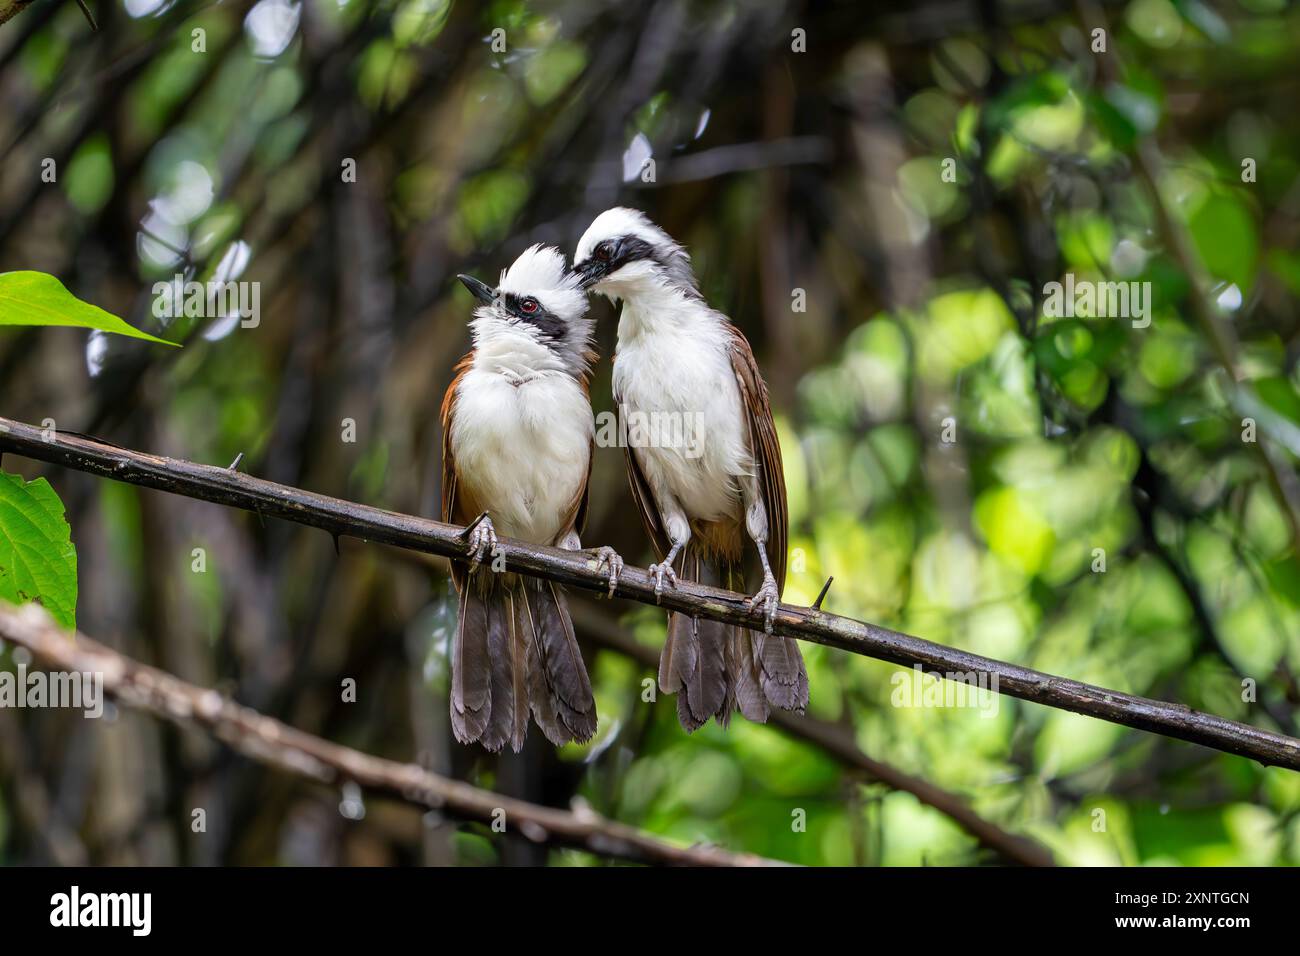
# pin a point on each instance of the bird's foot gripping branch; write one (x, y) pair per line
(580, 569)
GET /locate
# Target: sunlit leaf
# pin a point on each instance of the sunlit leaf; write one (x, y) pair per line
(38, 561)
(36, 298)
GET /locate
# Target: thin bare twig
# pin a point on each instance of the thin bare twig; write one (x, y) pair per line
(278, 745)
(11, 8)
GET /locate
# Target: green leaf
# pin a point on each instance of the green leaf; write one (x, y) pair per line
(38, 561)
(1112, 122)
(1284, 577)
(1225, 236)
(35, 298)
(1280, 394)
(89, 179)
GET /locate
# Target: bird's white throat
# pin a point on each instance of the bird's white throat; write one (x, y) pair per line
(650, 305)
(513, 351)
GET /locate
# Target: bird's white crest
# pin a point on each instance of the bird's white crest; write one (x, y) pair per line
(621, 221)
(542, 272)
(503, 340)
(666, 275)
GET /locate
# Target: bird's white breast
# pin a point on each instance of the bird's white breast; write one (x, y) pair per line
(522, 448)
(684, 368)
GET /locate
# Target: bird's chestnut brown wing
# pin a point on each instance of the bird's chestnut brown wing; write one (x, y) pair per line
(765, 447)
(454, 510)
(642, 496)
(575, 518)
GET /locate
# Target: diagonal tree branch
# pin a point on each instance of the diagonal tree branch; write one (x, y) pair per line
(11, 8)
(579, 569)
(278, 745)
(839, 743)
(608, 634)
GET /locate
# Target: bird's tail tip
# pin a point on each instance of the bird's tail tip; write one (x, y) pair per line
(516, 653)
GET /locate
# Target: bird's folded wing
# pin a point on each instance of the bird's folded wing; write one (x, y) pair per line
(643, 496)
(454, 508)
(765, 448)
(575, 518)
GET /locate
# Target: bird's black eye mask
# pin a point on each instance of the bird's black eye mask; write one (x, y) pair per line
(523, 307)
(613, 254)
(528, 309)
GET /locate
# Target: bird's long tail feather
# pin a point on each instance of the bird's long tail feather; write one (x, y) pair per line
(515, 652)
(558, 686)
(716, 669)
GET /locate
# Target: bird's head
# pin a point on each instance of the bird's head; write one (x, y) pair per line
(538, 307)
(623, 254)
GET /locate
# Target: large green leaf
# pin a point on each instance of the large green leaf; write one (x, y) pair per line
(38, 561)
(36, 298)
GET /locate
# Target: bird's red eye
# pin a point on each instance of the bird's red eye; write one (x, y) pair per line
(603, 252)
(528, 306)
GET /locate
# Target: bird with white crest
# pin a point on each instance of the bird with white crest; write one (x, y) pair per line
(518, 439)
(676, 356)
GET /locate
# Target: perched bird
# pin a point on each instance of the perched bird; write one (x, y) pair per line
(686, 363)
(517, 444)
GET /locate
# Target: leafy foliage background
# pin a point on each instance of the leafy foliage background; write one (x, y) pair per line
(819, 171)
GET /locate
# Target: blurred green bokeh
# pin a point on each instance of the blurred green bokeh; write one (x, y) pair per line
(1085, 494)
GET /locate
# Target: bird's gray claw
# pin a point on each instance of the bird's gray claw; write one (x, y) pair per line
(766, 601)
(608, 557)
(659, 572)
(482, 541)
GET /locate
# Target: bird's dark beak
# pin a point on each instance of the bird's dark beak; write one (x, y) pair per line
(590, 272)
(481, 291)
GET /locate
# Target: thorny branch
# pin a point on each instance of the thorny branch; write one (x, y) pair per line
(580, 569)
